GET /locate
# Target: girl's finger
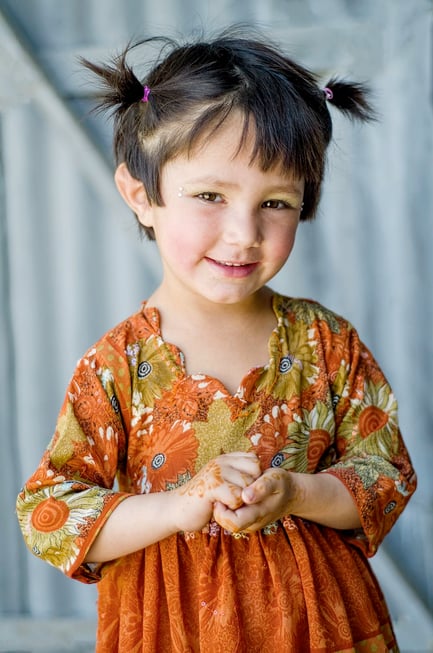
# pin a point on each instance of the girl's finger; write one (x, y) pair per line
(244, 518)
(247, 463)
(258, 490)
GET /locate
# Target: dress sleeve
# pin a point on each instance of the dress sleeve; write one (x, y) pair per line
(372, 459)
(64, 504)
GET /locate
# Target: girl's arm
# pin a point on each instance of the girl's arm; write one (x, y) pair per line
(323, 498)
(136, 522)
(371, 478)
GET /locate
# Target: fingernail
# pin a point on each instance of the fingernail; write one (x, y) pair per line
(248, 495)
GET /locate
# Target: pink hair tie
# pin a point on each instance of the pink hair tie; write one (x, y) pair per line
(146, 92)
(328, 93)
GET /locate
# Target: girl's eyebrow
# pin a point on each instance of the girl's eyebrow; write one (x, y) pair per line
(291, 186)
(211, 180)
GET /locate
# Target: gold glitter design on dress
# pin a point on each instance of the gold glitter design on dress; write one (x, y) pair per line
(69, 432)
(221, 433)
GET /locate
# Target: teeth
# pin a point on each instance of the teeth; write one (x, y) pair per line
(233, 265)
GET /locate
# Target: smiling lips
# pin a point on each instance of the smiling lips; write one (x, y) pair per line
(232, 269)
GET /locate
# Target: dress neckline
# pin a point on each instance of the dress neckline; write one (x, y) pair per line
(247, 381)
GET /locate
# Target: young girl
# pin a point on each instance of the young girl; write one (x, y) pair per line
(227, 458)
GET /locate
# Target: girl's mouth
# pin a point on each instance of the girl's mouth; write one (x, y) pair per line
(232, 268)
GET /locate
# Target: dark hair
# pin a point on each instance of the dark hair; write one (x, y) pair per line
(195, 86)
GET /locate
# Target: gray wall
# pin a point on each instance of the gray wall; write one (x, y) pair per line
(72, 266)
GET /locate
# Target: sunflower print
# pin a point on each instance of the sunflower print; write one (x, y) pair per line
(152, 373)
(165, 454)
(309, 435)
(370, 469)
(291, 371)
(371, 423)
(55, 517)
(309, 312)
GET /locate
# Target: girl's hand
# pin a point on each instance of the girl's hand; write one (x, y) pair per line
(266, 500)
(220, 482)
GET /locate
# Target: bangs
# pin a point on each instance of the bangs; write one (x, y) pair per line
(287, 132)
(284, 137)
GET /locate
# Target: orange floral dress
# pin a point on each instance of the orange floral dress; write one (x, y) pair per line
(133, 421)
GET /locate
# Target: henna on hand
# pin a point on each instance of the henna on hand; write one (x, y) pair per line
(220, 480)
(207, 479)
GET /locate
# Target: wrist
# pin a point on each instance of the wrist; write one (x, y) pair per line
(296, 490)
(175, 510)
(324, 499)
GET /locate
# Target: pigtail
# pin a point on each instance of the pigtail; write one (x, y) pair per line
(350, 98)
(120, 88)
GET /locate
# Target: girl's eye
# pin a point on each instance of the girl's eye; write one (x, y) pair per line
(276, 204)
(210, 197)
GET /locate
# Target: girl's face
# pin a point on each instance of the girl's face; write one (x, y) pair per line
(226, 227)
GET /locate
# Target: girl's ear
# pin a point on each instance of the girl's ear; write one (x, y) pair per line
(133, 192)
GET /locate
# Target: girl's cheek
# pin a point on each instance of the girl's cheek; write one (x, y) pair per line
(283, 248)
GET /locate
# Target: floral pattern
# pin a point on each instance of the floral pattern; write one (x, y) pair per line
(166, 453)
(133, 420)
(58, 514)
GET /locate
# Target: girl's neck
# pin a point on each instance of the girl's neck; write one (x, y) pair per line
(203, 313)
(222, 341)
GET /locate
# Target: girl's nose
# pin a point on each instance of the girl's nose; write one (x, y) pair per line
(242, 228)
